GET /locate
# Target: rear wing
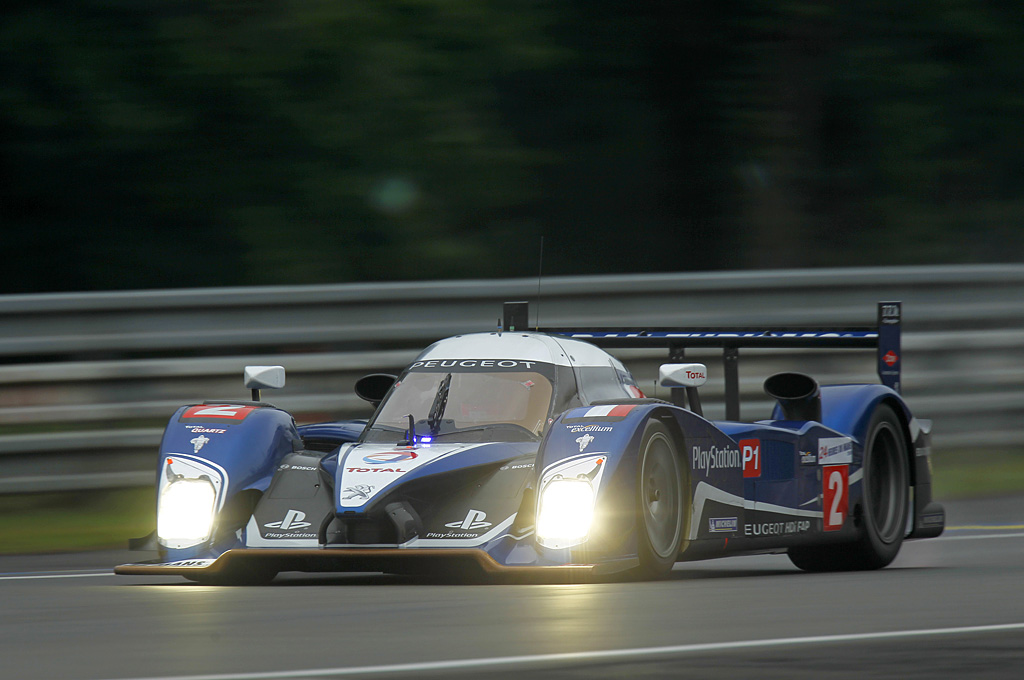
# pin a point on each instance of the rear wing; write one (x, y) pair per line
(884, 338)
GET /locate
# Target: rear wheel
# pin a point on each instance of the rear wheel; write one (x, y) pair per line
(660, 502)
(886, 490)
(885, 504)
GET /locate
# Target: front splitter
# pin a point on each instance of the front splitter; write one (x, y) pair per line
(405, 561)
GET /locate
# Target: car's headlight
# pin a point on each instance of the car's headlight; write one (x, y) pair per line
(566, 512)
(185, 513)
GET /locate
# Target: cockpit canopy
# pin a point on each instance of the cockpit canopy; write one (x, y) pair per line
(455, 403)
(457, 391)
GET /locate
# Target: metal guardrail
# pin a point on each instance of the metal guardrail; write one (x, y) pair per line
(87, 379)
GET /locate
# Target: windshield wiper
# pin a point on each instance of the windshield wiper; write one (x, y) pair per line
(437, 408)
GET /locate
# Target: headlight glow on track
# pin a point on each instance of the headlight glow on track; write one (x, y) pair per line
(185, 513)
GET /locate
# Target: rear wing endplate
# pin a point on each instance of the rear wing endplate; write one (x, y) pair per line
(884, 338)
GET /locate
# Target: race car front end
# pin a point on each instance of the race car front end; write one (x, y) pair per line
(442, 478)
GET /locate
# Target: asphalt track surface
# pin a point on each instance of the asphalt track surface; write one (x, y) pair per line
(951, 607)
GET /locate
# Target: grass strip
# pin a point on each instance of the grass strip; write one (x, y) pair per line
(977, 474)
(84, 520)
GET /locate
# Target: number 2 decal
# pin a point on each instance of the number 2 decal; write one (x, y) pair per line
(220, 412)
(835, 495)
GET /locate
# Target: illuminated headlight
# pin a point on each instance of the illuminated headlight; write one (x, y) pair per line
(186, 510)
(565, 514)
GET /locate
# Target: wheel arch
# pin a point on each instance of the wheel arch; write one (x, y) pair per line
(848, 408)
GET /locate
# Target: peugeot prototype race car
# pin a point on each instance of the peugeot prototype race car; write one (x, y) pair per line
(519, 452)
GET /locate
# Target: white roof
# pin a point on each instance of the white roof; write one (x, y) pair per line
(521, 346)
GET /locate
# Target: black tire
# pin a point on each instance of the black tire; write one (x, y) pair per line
(884, 505)
(661, 502)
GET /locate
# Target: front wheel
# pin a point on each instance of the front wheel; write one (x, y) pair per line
(660, 502)
(886, 502)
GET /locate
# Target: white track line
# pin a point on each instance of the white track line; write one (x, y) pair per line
(29, 577)
(586, 657)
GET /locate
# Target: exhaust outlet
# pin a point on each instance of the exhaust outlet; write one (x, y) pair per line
(798, 395)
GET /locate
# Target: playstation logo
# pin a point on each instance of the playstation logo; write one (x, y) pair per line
(292, 520)
(474, 520)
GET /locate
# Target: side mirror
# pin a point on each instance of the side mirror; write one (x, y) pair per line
(688, 376)
(683, 375)
(269, 377)
(374, 387)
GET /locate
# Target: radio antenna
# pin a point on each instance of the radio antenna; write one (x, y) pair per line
(540, 273)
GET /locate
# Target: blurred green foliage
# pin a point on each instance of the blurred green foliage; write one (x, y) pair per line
(177, 143)
(71, 521)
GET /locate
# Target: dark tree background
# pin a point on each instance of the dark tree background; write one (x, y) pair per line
(179, 143)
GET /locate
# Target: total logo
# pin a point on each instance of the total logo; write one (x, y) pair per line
(293, 519)
(389, 457)
(354, 469)
(590, 428)
(474, 520)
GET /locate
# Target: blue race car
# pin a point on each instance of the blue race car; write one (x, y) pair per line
(517, 452)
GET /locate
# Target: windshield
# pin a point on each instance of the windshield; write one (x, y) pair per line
(466, 404)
